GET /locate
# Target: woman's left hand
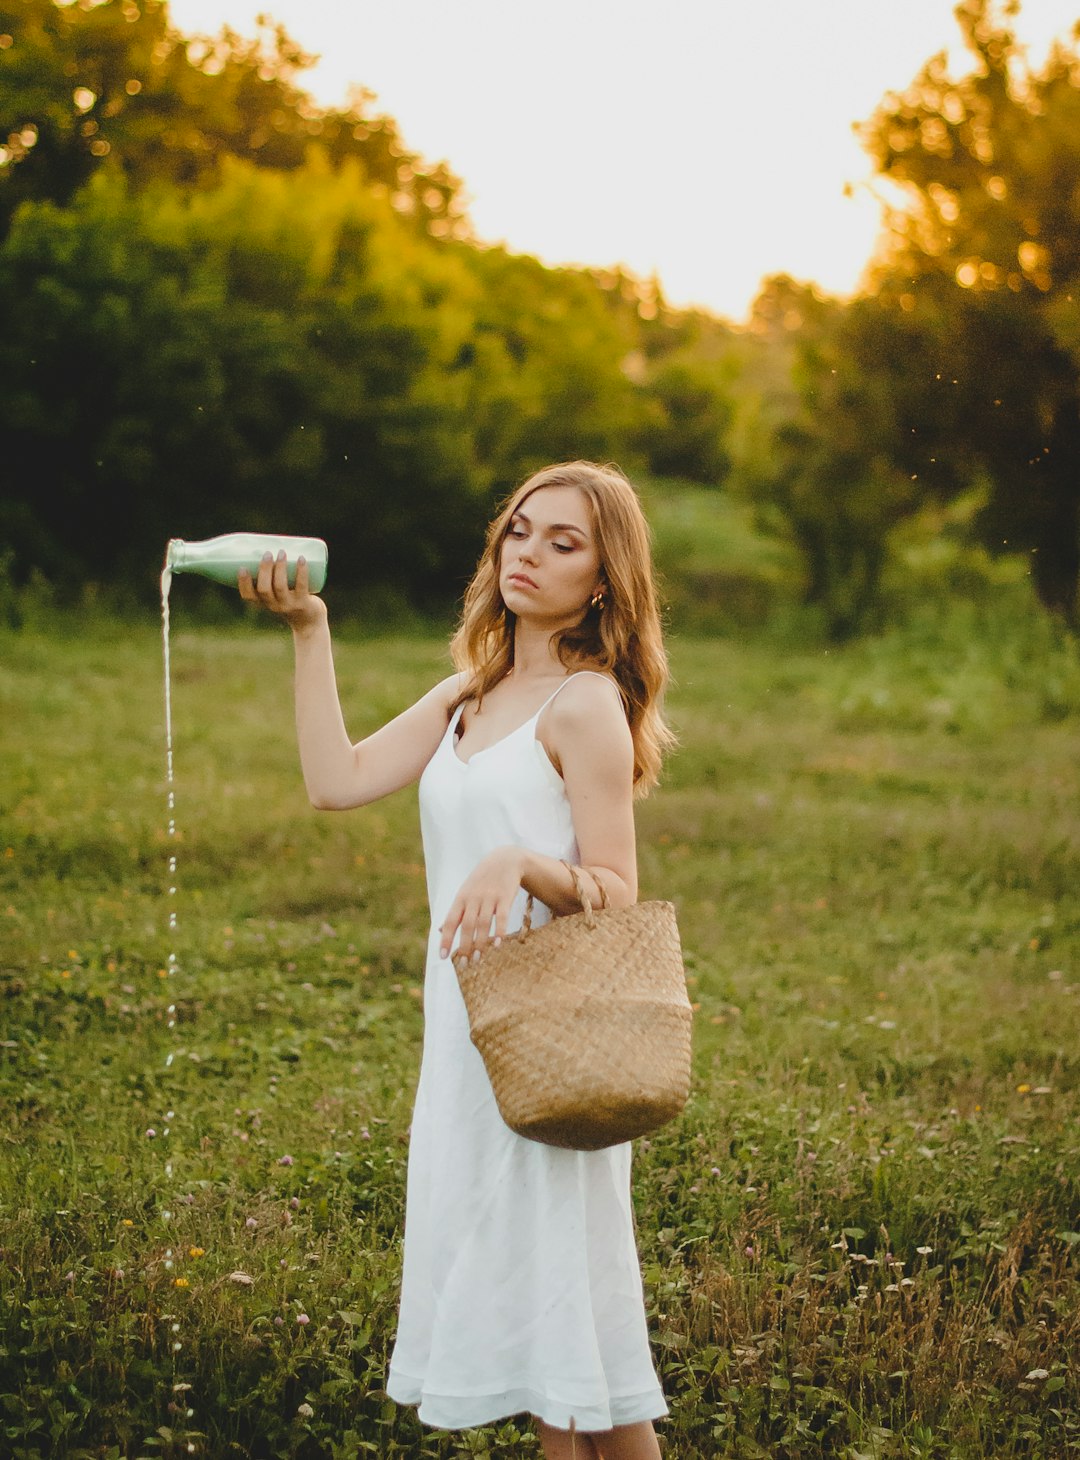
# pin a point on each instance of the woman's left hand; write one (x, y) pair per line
(483, 898)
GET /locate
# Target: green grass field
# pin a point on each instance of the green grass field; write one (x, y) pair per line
(860, 1239)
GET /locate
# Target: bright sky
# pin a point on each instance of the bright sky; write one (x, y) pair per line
(708, 140)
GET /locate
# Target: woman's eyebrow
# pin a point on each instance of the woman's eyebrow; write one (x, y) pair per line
(555, 526)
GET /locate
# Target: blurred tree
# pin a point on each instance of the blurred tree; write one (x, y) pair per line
(983, 259)
(280, 351)
(688, 432)
(689, 366)
(283, 350)
(111, 82)
(548, 353)
(221, 306)
(821, 439)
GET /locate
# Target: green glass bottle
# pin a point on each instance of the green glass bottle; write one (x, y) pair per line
(221, 558)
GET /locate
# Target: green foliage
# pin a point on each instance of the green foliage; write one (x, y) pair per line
(99, 83)
(695, 401)
(821, 437)
(224, 306)
(259, 333)
(958, 368)
(281, 350)
(861, 1237)
(691, 376)
(718, 573)
(277, 350)
(546, 354)
(984, 260)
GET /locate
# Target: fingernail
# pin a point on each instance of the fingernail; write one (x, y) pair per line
(443, 951)
(476, 956)
(497, 942)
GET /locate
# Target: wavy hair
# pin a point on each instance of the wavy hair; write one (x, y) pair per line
(623, 637)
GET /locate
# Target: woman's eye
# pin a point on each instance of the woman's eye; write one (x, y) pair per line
(564, 547)
(515, 532)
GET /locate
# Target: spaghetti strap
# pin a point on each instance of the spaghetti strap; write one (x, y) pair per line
(530, 723)
(576, 674)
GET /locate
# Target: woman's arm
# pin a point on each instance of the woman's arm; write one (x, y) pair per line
(338, 774)
(587, 731)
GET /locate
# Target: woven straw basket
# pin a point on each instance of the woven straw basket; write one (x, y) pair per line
(584, 1023)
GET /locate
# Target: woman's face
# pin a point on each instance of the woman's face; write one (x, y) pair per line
(549, 565)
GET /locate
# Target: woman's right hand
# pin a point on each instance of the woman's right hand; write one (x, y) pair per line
(298, 606)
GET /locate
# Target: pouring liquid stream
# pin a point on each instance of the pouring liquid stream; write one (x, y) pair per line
(218, 559)
(169, 971)
(166, 585)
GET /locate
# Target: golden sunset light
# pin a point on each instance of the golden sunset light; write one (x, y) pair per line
(707, 141)
(539, 694)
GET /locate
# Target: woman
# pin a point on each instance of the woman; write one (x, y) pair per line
(521, 1288)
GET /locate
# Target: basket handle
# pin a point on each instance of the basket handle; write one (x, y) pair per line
(582, 896)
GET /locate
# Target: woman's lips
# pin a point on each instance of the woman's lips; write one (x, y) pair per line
(521, 578)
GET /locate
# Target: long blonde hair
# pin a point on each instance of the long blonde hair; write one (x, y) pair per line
(623, 637)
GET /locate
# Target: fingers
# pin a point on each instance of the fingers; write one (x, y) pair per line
(474, 917)
(279, 576)
(501, 915)
(463, 915)
(259, 589)
(264, 583)
(486, 897)
(271, 586)
(476, 933)
(449, 927)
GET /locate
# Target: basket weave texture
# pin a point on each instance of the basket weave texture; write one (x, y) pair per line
(583, 1023)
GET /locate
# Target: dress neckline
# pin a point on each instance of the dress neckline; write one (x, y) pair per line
(518, 728)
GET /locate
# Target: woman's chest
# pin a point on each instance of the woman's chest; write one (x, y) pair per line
(510, 788)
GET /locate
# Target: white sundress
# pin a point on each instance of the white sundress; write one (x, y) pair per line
(521, 1288)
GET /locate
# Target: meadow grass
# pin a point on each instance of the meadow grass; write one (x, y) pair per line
(859, 1240)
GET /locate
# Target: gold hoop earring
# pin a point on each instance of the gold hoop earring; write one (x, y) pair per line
(597, 601)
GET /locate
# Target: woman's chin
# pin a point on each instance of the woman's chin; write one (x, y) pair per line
(525, 602)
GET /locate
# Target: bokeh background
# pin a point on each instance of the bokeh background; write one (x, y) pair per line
(227, 302)
(231, 300)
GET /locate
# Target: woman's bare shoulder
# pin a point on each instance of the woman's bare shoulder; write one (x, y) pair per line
(591, 700)
(592, 687)
(586, 725)
(448, 689)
